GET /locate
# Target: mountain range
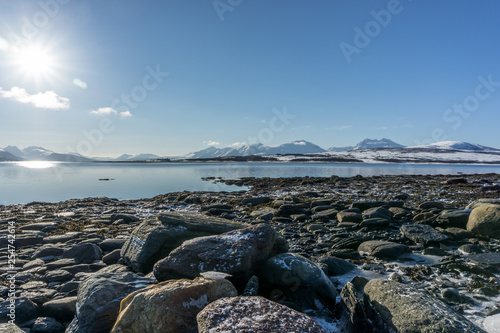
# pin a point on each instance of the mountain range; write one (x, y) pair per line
(299, 147)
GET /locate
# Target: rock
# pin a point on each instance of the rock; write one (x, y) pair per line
(127, 218)
(491, 258)
(252, 287)
(290, 209)
(23, 309)
(47, 325)
(423, 216)
(83, 254)
(458, 233)
(47, 250)
(485, 221)
(253, 314)
(112, 257)
(109, 245)
(423, 234)
(183, 299)
(316, 227)
(375, 223)
(383, 249)
(319, 208)
(265, 213)
(10, 328)
(336, 266)
(451, 295)
(455, 181)
(378, 212)
(236, 253)
(454, 218)
(431, 205)
(352, 297)
(470, 249)
(255, 201)
(344, 216)
(58, 275)
(483, 201)
(62, 238)
(404, 308)
(153, 240)
(62, 309)
(330, 213)
(296, 279)
(99, 297)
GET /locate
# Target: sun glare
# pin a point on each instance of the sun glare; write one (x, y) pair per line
(36, 164)
(35, 61)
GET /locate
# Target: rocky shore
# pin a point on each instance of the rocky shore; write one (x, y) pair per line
(359, 254)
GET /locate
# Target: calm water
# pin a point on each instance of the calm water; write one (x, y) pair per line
(52, 182)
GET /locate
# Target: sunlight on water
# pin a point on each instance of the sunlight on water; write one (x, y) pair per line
(37, 164)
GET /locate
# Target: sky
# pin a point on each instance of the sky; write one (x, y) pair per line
(169, 77)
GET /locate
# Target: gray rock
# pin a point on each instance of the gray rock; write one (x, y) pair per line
(298, 280)
(458, 233)
(344, 216)
(10, 328)
(24, 309)
(454, 218)
(378, 212)
(47, 325)
(235, 252)
(485, 221)
(483, 201)
(127, 218)
(253, 314)
(58, 275)
(83, 254)
(265, 213)
(431, 205)
(423, 234)
(290, 209)
(255, 201)
(48, 250)
(62, 238)
(352, 297)
(109, 245)
(375, 223)
(491, 258)
(153, 240)
(330, 213)
(62, 309)
(112, 257)
(383, 249)
(336, 266)
(404, 308)
(99, 297)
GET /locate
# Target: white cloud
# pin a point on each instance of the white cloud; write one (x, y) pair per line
(80, 83)
(108, 111)
(237, 144)
(339, 128)
(299, 143)
(211, 143)
(46, 100)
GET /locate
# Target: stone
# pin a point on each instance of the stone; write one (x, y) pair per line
(404, 308)
(423, 216)
(62, 238)
(375, 223)
(470, 249)
(298, 280)
(490, 258)
(330, 213)
(378, 212)
(58, 275)
(352, 297)
(255, 201)
(248, 314)
(265, 213)
(316, 227)
(99, 297)
(236, 252)
(153, 240)
(423, 234)
(485, 221)
(112, 257)
(454, 218)
(10, 328)
(431, 205)
(290, 209)
(61, 309)
(483, 201)
(455, 181)
(320, 208)
(344, 216)
(183, 299)
(109, 245)
(48, 250)
(458, 233)
(84, 253)
(25, 310)
(47, 325)
(336, 266)
(127, 218)
(383, 249)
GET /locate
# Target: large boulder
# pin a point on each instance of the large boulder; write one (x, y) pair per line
(99, 297)
(144, 310)
(406, 309)
(423, 234)
(292, 278)
(153, 240)
(483, 201)
(454, 218)
(253, 314)
(236, 253)
(383, 249)
(484, 220)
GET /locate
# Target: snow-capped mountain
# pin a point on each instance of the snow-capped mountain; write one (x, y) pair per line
(138, 157)
(298, 147)
(35, 153)
(456, 145)
(340, 149)
(375, 143)
(6, 156)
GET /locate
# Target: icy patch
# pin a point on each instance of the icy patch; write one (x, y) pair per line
(328, 326)
(492, 324)
(200, 303)
(65, 214)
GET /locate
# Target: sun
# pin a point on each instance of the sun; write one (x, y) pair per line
(35, 60)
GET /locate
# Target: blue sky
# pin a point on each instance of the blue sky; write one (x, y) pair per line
(170, 77)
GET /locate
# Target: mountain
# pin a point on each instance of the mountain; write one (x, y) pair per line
(35, 153)
(6, 156)
(138, 157)
(374, 143)
(298, 147)
(456, 145)
(340, 149)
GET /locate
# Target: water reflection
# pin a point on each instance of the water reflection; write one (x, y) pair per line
(37, 164)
